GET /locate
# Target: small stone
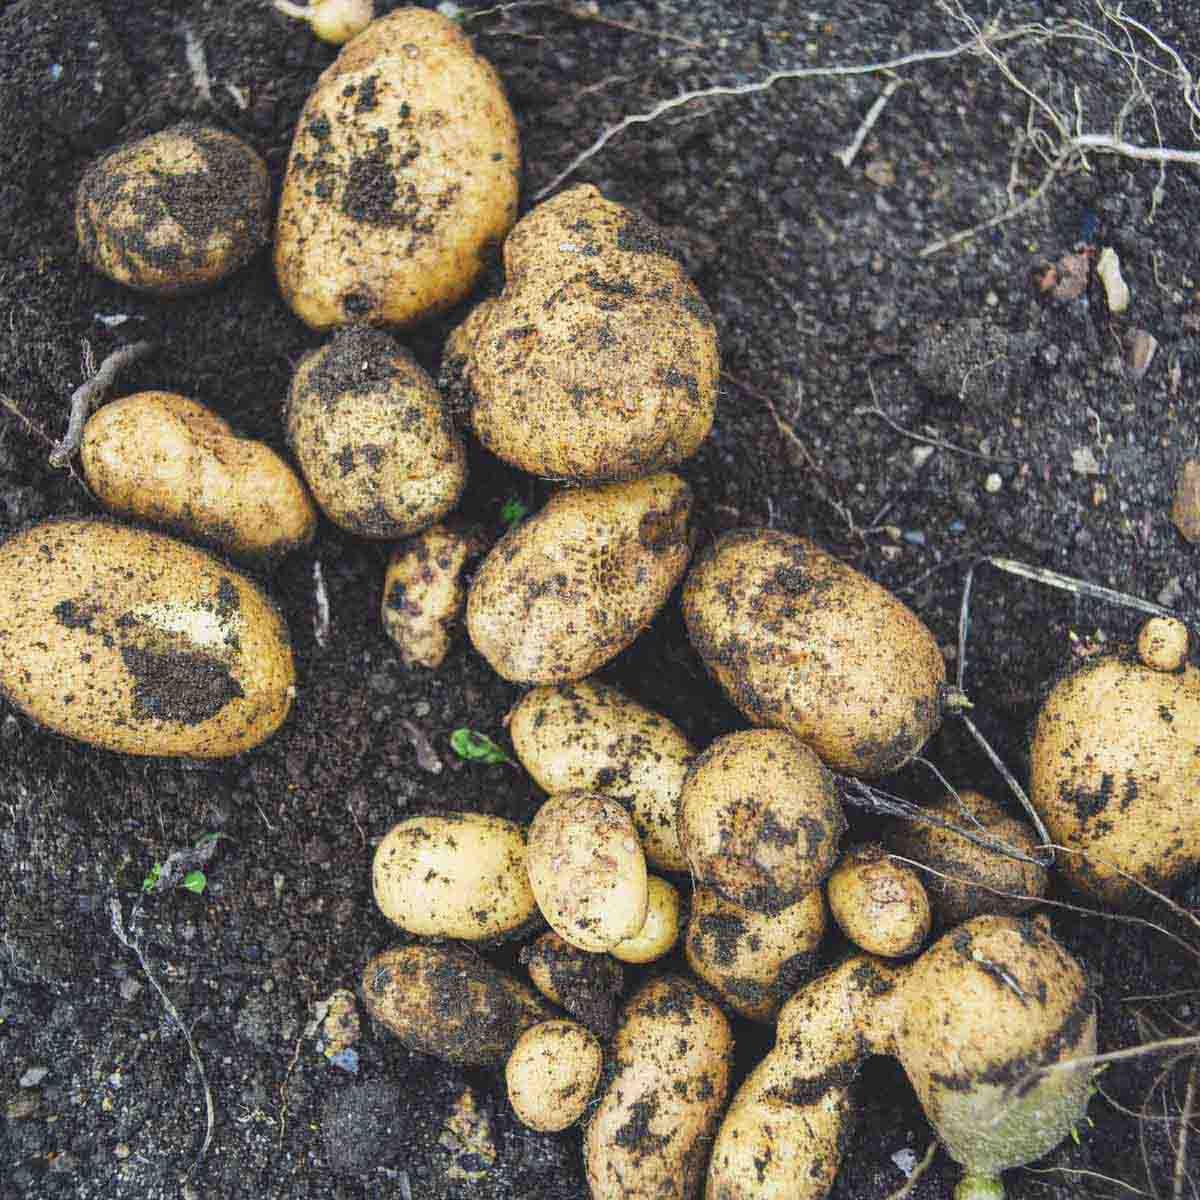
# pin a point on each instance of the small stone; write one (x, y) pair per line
(34, 1076)
(1142, 348)
(1185, 511)
(992, 484)
(467, 1135)
(921, 455)
(1172, 593)
(1083, 461)
(129, 988)
(341, 1027)
(880, 172)
(23, 1105)
(1108, 271)
(121, 1150)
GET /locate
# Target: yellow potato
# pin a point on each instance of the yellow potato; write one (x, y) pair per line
(1163, 643)
(551, 1074)
(171, 461)
(139, 643)
(659, 931)
(174, 212)
(403, 174)
(879, 903)
(570, 588)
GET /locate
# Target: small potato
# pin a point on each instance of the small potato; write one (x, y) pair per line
(162, 458)
(879, 903)
(591, 735)
(802, 642)
(552, 1073)
(759, 819)
(660, 930)
(373, 437)
(448, 1002)
(587, 870)
(648, 1138)
(567, 590)
(424, 594)
(458, 875)
(586, 985)
(402, 176)
(139, 643)
(174, 212)
(755, 960)
(1163, 643)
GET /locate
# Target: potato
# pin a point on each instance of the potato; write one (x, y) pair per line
(648, 1138)
(551, 1074)
(402, 176)
(139, 643)
(659, 931)
(1115, 772)
(759, 819)
(599, 359)
(586, 985)
(373, 437)
(457, 875)
(805, 643)
(449, 1002)
(174, 212)
(879, 903)
(1163, 643)
(570, 588)
(168, 460)
(591, 735)
(587, 870)
(754, 960)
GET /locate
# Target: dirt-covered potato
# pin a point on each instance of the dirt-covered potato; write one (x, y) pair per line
(803, 642)
(586, 985)
(648, 1138)
(373, 437)
(591, 735)
(1163, 643)
(139, 643)
(449, 1002)
(659, 931)
(571, 587)
(171, 461)
(599, 359)
(424, 594)
(1115, 773)
(402, 177)
(457, 875)
(759, 819)
(967, 879)
(552, 1073)
(880, 904)
(755, 960)
(587, 870)
(174, 212)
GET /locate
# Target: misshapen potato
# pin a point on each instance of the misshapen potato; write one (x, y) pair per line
(880, 904)
(552, 1073)
(660, 930)
(139, 643)
(586, 985)
(403, 173)
(163, 458)
(803, 642)
(570, 588)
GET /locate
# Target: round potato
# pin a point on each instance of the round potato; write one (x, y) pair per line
(139, 643)
(567, 590)
(458, 875)
(1163, 643)
(403, 175)
(599, 359)
(587, 870)
(759, 819)
(552, 1073)
(586, 985)
(591, 735)
(803, 642)
(659, 931)
(163, 458)
(373, 438)
(174, 212)
(879, 903)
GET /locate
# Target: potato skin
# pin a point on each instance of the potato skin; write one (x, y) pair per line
(599, 359)
(880, 904)
(649, 1137)
(586, 985)
(455, 875)
(803, 642)
(373, 437)
(552, 1073)
(139, 643)
(174, 212)
(163, 458)
(403, 172)
(573, 586)
(591, 735)
(660, 930)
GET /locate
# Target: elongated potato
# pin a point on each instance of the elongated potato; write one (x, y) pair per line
(805, 643)
(591, 735)
(570, 588)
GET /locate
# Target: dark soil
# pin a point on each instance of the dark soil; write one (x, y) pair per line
(826, 312)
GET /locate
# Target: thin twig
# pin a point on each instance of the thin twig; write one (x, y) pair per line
(1090, 1174)
(847, 156)
(874, 410)
(320, 606)
(1185, 1124)
(918, 1171)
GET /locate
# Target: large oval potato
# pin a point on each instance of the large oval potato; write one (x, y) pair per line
(163, 458)
(403, 174)
(803, 642)
(591, 735)
(457, 875)
(570, 588)
(139, 643)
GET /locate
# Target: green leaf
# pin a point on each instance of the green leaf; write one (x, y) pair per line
(195, 881)
(512, 511)
(152, 877)
(205, 838)
(466, 743)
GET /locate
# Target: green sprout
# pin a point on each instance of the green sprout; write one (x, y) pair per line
(152, 877)
(466, 743)
(513, 510)
(196, 882)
